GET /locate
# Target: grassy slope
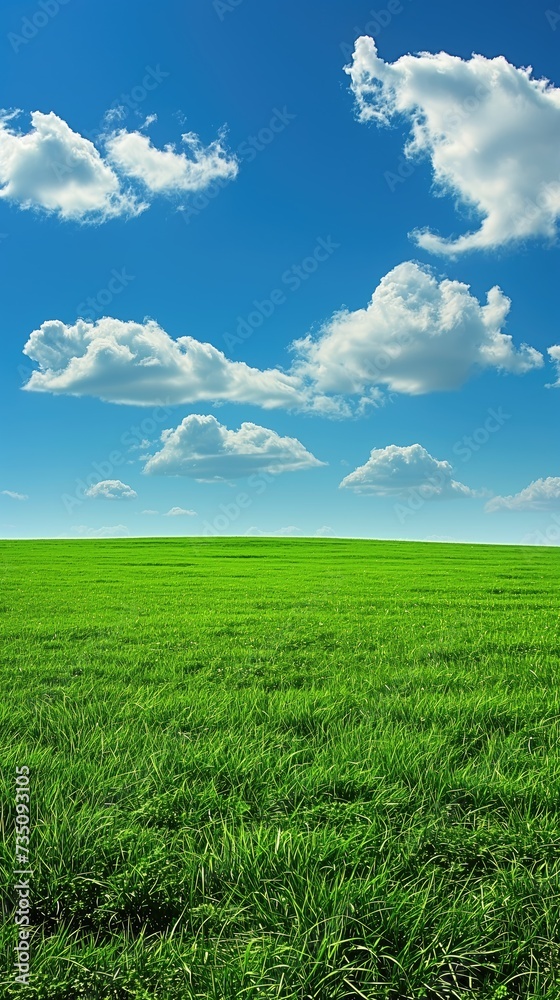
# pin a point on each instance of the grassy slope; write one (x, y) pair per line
(284, 768)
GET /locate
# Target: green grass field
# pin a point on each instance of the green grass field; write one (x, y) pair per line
(283, 768)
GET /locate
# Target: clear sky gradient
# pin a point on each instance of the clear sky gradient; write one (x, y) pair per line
(316, 216)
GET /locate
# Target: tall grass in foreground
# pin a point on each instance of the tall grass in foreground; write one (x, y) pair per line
(284, 769)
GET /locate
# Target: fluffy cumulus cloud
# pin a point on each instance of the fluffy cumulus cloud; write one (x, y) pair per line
(489, 129)
(418, 334)
(166, 171)
(543, 494)
(53, 169)
(140, 364)
(554, 354)
(13, 495)
(205, 450)
(111, 489)
(395, 472)
(180, 512)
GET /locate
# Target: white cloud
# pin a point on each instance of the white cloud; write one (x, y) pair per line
(56, 170)
(394, 471)
(180, 512)
(324, 532)
(288, 532)
(164, 171)
(140, 364)
(489, 128)
(149, 512)
(542, 494)
(205, 450)
(53, 169)
(418, 334)
(14, 496)
(111, 489)
(554, 353)
(111, 531)
(149, 120)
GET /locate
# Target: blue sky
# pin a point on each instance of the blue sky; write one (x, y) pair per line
(274, 236)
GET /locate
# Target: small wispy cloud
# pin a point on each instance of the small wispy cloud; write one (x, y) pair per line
(180, 512)
(107, 531)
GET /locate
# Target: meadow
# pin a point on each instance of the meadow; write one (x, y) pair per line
(283, 768)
